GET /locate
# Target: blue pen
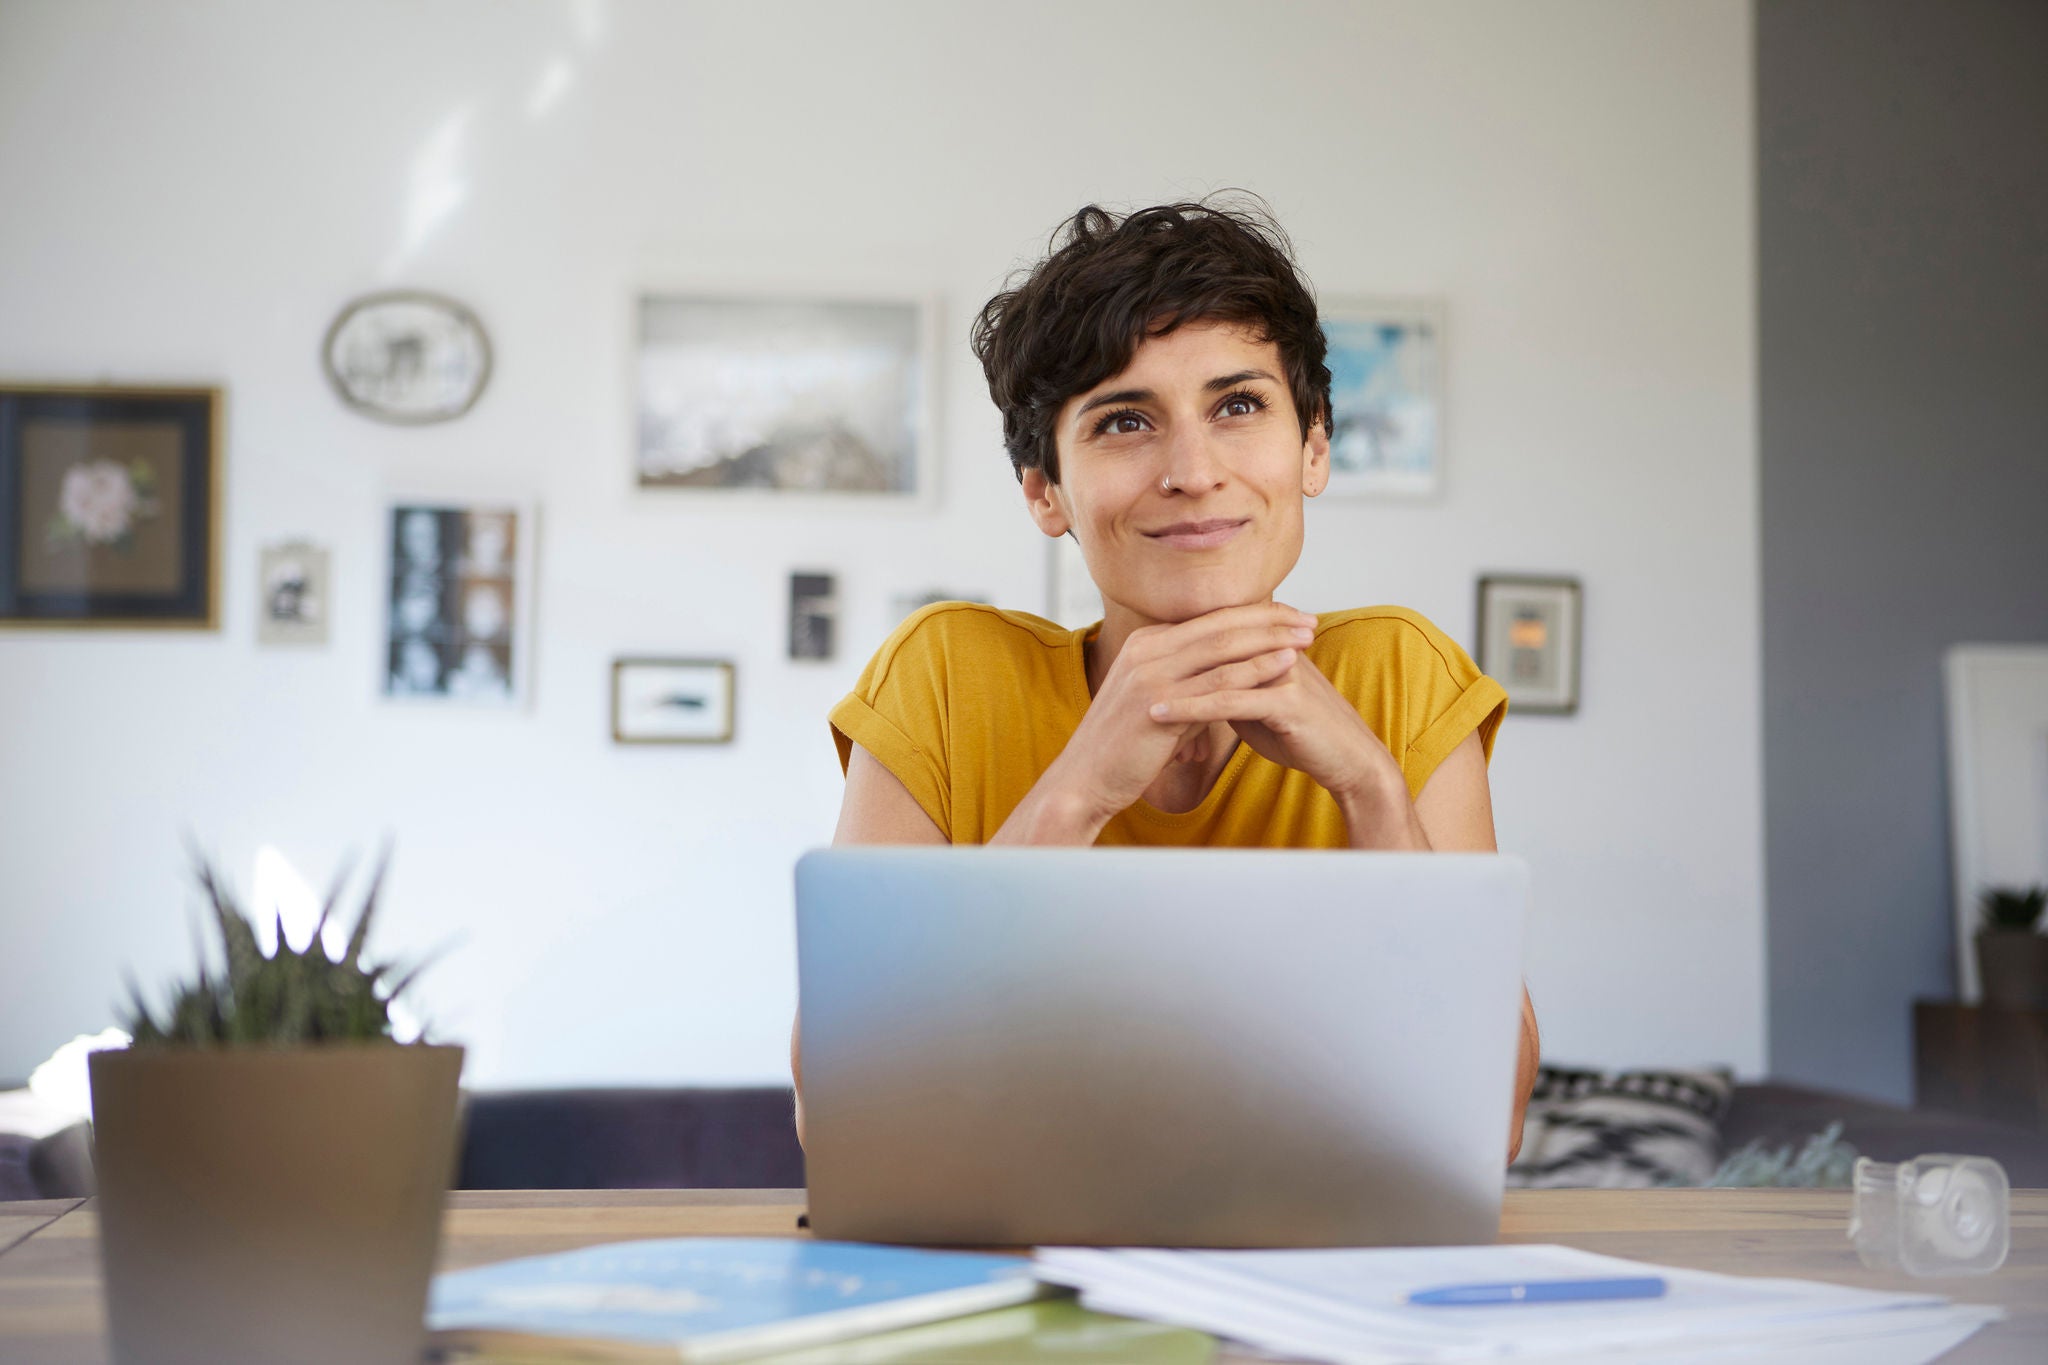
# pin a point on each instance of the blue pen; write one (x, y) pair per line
(1538, 1291)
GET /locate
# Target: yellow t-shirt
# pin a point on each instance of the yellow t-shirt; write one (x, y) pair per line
(968, 704)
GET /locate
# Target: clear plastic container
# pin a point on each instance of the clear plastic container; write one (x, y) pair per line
(1933, 1215)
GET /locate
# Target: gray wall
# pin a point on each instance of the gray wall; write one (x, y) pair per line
(1903, 401)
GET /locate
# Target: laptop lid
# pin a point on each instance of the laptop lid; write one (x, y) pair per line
(1110, 1046)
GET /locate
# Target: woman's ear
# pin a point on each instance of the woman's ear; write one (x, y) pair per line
(1046, 503)
(1315, 459)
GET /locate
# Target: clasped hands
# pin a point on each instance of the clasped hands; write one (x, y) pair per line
(1242, 665)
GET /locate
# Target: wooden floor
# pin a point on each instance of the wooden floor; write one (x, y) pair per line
(50, 1290)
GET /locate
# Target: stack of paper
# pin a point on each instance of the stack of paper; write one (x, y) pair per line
(1351, 1306)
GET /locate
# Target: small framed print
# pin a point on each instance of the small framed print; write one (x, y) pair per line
(1386, 397)
(1529, 641)
(458, 602)
(672, 701)
(110, 507)
(292, 610)
(813, 616)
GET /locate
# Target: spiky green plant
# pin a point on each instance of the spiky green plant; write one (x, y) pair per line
(287, 998)
(2012, 907)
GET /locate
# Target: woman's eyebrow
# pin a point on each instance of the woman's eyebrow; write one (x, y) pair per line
(1216, 385)
(1101, 400)
(1231, 381)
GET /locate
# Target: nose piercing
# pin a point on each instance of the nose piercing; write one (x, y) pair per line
(1166, 483)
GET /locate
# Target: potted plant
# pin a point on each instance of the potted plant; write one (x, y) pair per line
(271, 1162)
(2012, 953)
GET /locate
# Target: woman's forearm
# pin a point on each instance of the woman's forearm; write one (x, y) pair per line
(1529, 1057)
(1384, 818)
(1054, 813)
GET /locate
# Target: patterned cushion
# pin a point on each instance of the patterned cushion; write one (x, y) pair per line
(1621, 1130)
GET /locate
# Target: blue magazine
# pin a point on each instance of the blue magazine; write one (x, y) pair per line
(705, 1299)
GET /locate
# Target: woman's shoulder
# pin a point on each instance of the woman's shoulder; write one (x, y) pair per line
(1392, 635)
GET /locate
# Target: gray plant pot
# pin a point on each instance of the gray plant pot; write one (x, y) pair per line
(272, 1205)
(2012, 964)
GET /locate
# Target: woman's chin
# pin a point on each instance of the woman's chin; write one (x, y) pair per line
(1173, 608)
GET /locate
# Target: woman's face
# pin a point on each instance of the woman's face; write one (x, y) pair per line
(1183, 477)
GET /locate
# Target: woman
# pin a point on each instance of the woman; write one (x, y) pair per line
(1165, 402)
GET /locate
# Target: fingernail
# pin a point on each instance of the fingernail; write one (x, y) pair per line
(1159, 710)
(1305, 636)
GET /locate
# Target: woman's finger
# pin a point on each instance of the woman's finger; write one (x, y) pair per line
(1227, 636)
(1257, 671)
(1205, 707)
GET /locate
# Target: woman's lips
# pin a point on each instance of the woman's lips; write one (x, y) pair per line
(1200, 535)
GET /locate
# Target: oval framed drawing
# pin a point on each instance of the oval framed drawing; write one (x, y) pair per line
(407, 356)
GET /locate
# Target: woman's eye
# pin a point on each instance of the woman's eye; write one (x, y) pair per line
(1122, 423)
(1241, 405)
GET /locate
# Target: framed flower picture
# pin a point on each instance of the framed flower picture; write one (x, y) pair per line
(110, 507)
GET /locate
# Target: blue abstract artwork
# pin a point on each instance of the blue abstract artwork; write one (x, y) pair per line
(1386, 433)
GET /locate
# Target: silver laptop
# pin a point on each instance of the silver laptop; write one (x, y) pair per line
(1109, 1046)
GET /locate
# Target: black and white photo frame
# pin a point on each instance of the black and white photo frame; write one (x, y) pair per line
(458, 601)
(294, 593)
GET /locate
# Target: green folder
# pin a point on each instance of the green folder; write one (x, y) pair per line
(1057, 1331)
(1050, 1330)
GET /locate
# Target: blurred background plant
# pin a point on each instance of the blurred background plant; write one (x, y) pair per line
(285, 997)
(2012, 907)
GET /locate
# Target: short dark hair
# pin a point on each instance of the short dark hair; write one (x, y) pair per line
(1108, 283)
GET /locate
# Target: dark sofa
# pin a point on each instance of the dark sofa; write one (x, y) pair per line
(746, 1139)
(631, 1139)
(605, 1139)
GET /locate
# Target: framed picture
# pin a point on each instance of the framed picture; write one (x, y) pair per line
(1386, 398)
(110, 507)
(1072, 599)
(1529, 641)
(790, 396)
(292, 606)
(813, 616)
(458, 599)
(1997, 699)
(407, 356)
(672, 701)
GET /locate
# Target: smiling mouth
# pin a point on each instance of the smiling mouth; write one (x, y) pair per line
(1199, 535)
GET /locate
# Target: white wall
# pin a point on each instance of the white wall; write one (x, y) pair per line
(193, 190)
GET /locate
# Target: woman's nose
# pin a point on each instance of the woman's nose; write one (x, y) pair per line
(1191, 463)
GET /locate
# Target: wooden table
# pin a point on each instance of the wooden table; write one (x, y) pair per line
(50, 1285)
